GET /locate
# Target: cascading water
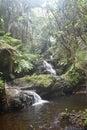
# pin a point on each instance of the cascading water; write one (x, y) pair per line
(36, 98)
(29, 97)
(49, 68)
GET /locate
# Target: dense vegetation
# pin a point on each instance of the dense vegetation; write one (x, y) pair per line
(31, 31)
(43, 30)
(37, 30)
(34, 30)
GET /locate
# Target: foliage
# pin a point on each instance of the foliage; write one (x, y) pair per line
(85, 118)
(10, 40)
(20, 64)
(74, 75)
(78, 119)
(59, 30)
(80, 59)
(23, 62)
(65, 22)
(1, 85)
(22, 59)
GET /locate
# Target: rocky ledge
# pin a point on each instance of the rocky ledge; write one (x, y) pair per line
(15, 99)
(47, 86)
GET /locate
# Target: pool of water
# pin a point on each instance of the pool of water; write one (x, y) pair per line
(44, 116)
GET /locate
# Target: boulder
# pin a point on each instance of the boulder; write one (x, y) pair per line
(17, 99)
(46, 86)
(6, 59)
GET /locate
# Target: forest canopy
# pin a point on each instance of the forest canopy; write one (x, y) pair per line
(40, 28)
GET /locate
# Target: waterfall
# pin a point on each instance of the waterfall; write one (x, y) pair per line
(29, 97)
(49, 68)
(36, 98)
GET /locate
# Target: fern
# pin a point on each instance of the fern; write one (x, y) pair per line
(22, 63)
(22, 59)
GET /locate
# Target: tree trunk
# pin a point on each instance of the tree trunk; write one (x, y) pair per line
(3, 101)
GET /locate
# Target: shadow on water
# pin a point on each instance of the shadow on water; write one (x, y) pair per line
(43, 116)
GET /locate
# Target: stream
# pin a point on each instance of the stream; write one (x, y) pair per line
(43, 116)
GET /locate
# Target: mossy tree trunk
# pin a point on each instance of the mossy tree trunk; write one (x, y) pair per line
(6, 69)
(6, 60)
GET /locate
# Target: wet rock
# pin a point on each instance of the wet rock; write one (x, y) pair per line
(16, 104)
(17, 99)
(76, 120)
(3, 102)
(47, 86)
(73, 128)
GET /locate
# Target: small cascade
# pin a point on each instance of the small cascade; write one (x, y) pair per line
(35, 97)
(49, 68)
(51, 57)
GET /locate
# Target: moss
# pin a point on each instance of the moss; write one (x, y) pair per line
(1, 85)
(75, 118)
(74, 75)
(36, 81)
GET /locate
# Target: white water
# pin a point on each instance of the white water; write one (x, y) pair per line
(37, 99)
(49, 67)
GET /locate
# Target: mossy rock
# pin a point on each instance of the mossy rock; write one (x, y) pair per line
(48, 86)
(6, 59)
(75, 118)
(36, 81)
(74, 76)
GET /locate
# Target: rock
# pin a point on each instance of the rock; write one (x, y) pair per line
(17, 99)
(16, 104)
(3, 102)
(46, 86)
(6, 59)
(74, 120)
(73, 128)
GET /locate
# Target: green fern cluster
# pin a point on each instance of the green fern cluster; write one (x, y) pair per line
(22, 63)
